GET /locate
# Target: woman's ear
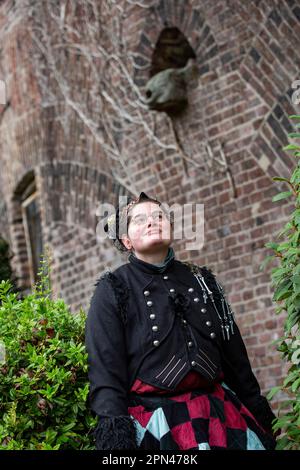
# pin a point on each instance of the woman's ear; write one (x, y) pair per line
(126, 242)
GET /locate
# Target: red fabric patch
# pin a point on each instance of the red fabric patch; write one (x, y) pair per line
(217, 433)
(139, 413)
(182, 397)
(141, 387)
(191, 381)
(184, 436)
(233, 417)
(199, 407)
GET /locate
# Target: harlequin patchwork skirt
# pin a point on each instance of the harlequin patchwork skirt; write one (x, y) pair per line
(198, 419)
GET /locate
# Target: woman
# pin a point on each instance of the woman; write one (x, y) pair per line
(168, 368)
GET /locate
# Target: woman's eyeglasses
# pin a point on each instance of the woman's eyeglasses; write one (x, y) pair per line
(142, 219)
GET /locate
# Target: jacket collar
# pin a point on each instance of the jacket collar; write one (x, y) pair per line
(152, 268)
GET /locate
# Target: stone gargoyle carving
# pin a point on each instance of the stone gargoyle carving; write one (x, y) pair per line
(167, 90)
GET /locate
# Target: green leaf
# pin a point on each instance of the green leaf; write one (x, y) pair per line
(291, 147)
(289, 379)
(296, 360)
(75, 409)
(296, 384)
(282, 292)
(267, 260)
(295, 135)
(282, 195)
(279, 178)
(68, 427)
(296, 301)
(272, 245)
(296, 281)
(273, 392)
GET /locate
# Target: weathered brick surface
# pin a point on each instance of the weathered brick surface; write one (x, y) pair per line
(248, 55)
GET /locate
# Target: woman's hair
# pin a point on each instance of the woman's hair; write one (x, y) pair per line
(117, 224)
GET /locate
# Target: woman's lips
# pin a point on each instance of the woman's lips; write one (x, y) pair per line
(150, 232)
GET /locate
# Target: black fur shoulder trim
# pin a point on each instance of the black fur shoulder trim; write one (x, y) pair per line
(116, 432)
(121, 292)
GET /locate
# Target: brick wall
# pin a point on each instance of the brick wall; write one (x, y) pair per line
(248, 55)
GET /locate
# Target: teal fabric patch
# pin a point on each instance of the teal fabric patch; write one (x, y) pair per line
(158, 425)
(140, 431)
(253, 442)
(223, 384)
(204, 446)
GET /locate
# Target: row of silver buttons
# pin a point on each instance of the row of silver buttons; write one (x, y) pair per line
(152, 315)
(203, 310)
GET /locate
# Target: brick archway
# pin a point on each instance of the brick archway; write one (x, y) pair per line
(191, 23)
(71, 195)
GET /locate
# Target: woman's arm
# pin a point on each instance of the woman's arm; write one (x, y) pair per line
(238, 374)
(108, 371)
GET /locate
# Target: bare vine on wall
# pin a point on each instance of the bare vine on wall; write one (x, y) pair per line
(85, 64)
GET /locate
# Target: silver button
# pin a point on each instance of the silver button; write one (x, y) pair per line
(149, 303)
(208, 323)
(191, 289)
(193, 363)
(196, 299)
(172, 290)
(166, 277)
(155, 328)
(213, 335)
(190, 344)
(156, 343)
(146, 293)
(184, 321)
(203, 310)
(152, 316)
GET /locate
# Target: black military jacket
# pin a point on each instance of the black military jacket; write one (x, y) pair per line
(158, 326)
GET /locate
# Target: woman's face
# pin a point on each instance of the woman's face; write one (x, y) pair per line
(149, 228)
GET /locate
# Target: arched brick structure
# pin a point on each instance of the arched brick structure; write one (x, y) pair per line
(248, 54)
(71, 196)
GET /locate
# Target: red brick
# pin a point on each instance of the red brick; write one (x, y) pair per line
(231, 105)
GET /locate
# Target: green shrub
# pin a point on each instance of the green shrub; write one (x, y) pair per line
(286, 283)
(43, 377)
